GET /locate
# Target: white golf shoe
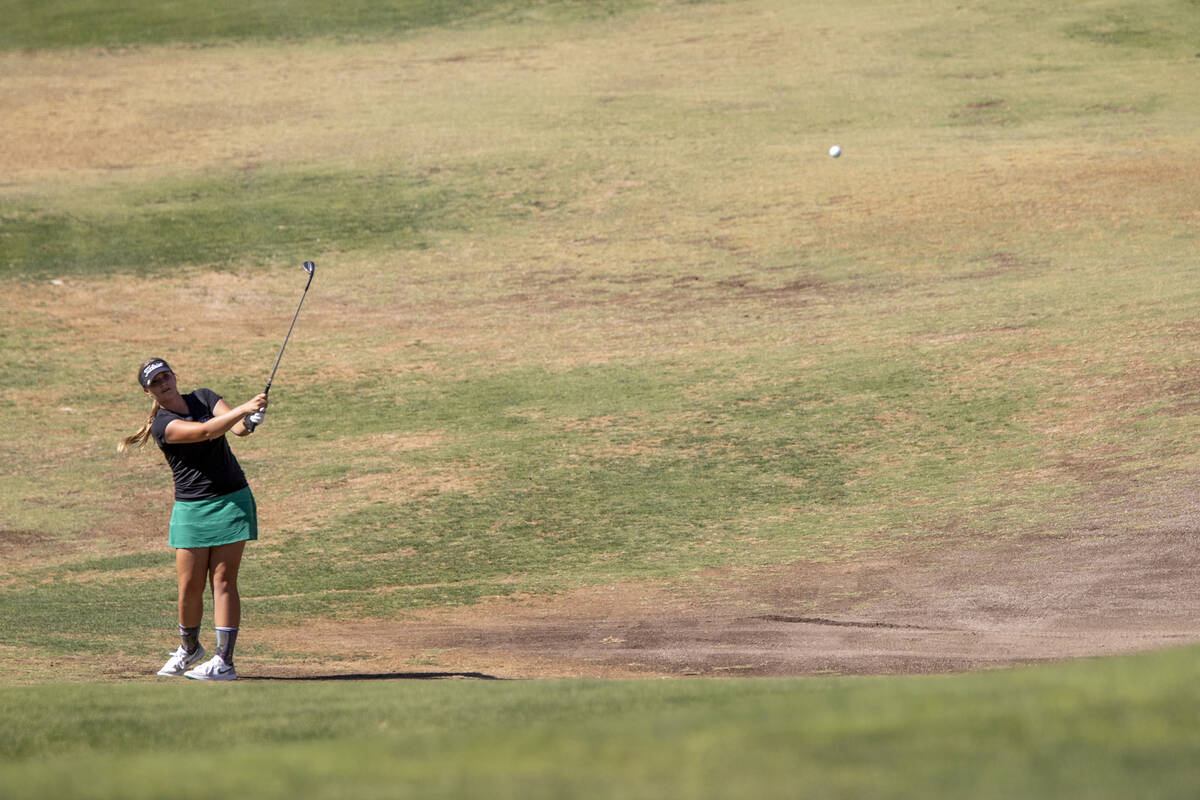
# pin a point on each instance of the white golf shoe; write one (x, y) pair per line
(215, 669)
(180, 661)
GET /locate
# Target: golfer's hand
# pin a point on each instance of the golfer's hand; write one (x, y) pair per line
(259, 403)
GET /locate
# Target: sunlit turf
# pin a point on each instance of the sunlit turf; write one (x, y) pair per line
(1101, 729)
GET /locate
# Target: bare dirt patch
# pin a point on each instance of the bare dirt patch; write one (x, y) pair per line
(1122, 581)
(11, 540)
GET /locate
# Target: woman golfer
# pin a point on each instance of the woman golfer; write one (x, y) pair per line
(214, 514)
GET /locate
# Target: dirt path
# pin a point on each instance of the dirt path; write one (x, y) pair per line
(1082, 594)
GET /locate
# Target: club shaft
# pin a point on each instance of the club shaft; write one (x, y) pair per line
(279, 358)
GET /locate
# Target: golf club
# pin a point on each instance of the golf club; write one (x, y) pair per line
(254, 420)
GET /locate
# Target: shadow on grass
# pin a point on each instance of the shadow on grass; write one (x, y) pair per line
(375, 676)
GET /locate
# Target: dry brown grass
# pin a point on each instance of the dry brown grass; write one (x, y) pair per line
(699, 222)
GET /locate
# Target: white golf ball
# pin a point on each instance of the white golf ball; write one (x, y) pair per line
(835, 151)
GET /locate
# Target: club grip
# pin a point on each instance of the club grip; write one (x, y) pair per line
(254, 420)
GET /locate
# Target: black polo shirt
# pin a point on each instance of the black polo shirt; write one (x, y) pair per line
(201, 469)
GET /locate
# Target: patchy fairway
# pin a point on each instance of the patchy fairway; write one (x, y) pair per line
(610, 371)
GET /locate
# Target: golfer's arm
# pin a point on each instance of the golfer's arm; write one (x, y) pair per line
(239, 427)
(180, 432)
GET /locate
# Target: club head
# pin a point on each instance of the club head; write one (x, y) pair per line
(309, 267)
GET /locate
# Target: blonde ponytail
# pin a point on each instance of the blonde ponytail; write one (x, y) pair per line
(138, 439)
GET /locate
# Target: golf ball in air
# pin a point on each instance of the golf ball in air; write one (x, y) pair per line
(835, 151)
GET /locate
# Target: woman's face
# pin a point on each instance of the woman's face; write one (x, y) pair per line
(162, 387)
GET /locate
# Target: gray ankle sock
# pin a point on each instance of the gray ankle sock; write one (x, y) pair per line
(191, 638)
(226, 639)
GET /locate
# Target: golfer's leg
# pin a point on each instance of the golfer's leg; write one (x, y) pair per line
(228, 603)
(223, 565)
(191, 567)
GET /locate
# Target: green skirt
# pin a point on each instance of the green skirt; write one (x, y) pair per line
(214, 521)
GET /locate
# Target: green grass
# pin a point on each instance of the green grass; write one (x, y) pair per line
(227, 220)
(1117, 728)
(89, 23)
(593, 474)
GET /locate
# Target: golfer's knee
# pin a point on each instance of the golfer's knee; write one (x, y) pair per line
(191, 590)
(223, 584)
